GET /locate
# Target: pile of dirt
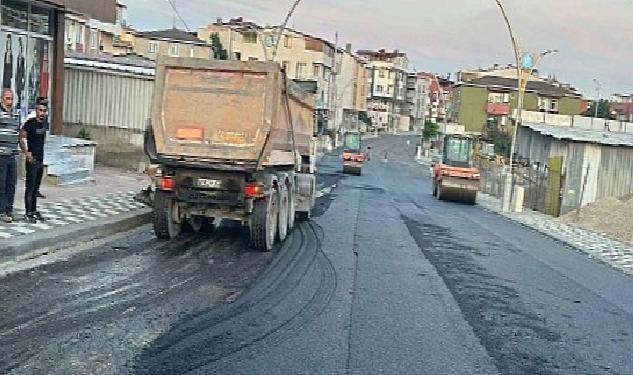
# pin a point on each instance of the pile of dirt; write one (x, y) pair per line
(613, 216)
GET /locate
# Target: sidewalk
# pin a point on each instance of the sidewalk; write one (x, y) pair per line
(608, 250)
(76, 213)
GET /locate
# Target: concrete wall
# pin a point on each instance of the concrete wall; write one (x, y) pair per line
(114, 108)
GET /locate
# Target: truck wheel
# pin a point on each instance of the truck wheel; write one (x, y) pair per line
(165, 210)
(292, 207)
(263, 224)
(283, 212)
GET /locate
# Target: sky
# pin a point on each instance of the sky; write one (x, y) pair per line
(594, 38)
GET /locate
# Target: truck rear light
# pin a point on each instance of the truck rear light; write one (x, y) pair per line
(167, 183)
(254, 190)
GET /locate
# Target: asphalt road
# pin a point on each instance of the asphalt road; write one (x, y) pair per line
(384, 280)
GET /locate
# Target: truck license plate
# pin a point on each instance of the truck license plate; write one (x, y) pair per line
(208, 183)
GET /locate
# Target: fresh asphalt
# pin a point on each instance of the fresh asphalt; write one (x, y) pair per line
(384, 280)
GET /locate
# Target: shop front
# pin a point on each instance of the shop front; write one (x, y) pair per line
(27, 49)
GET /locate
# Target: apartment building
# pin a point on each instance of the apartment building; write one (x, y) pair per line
(440, 96)
(416, 102)
(350, 88)
(492, 101)
(88, 35)
(172, 42)
(622, 107)
(306, 58)
(386, 100)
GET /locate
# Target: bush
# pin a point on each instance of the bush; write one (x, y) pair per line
(84, 134)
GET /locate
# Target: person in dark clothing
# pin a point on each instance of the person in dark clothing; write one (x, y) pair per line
(8, 164)
(32, 139)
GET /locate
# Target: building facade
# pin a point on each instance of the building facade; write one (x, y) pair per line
(622, 107)
(492, 101)
(350, 89)
(32, 44)
(306, 59)
(84, 34)
(386, 100)
(171, 42)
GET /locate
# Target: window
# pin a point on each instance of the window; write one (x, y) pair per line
(119, 15)
(379, 89)
(173, 50)
(94, 39)
(249, 37)
(238, 56)
(79, 38)
(554, 105)
(494, 97)
(316, 70)
(15, 14)
(381, 73)
(40, 20)
(153, 46)
(301, 67)
(288, 41)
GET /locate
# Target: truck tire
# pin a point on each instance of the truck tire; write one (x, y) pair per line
(165, 226)
(292, 207)
(283, 212)
(263, 223)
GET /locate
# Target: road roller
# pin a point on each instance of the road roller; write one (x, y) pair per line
(455, 178)
(353, 157)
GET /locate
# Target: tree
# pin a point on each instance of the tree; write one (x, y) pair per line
(430, 130)
(219, 53)
(604, 109)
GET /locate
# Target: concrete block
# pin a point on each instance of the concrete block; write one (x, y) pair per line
(519, 197)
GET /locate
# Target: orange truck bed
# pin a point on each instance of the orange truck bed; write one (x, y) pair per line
(230, 112)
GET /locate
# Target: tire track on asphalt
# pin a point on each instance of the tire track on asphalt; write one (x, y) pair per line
(295, 289)
(76, 312)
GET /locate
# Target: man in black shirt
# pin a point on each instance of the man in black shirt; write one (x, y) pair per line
(32, 139)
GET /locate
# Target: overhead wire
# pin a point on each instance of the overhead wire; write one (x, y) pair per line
(173, 6)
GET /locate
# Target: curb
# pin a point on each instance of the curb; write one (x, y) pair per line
(40, 244)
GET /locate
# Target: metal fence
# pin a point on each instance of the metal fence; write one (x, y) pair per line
(535, 180)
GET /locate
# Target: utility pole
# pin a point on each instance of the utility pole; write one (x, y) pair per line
(595, 116)
(526, 63)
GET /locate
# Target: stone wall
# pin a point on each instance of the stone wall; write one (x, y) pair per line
(117, 147)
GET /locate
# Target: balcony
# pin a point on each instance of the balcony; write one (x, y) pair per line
(501, 109)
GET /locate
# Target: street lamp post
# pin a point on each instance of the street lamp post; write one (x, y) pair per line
(598, 86)
(526, 63)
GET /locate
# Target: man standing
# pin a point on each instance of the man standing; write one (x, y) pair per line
(32, 139)
(8, 164)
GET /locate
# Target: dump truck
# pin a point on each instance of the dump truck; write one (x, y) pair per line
(454, 177)
(230, 140)
(353, 156)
